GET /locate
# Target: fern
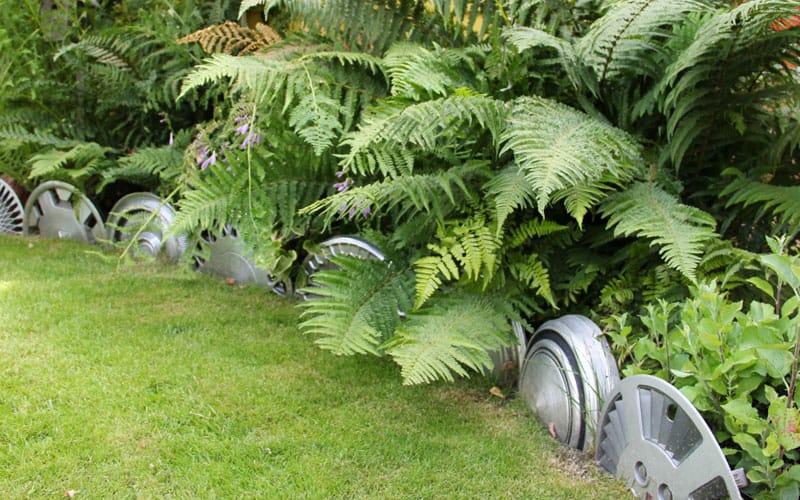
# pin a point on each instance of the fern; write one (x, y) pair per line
(468, 245)
(409, 195)
(449, 337)
(355, 309)
(370, 27)
(723, 72)
(681, 231)
(316, 119)
(418, 125)
(231, 38)
(533, 274)
(525, 38)
(566, 154)
(209, 200)
(106, 50)
(78, 162)
(245, 72)
(511, 191)
(419, 73)
(533, 229)
(779, 202)
(148, 165)
(616, 42)
(18, 132)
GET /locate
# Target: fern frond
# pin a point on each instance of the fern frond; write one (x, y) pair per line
(471, 245)
(430, 194)
(510, 192)
(355, 309)
(367, 61)
(146, 165)
(715, 86)
(616, 294)
(209, 200)
(246, 5)
(563, 152)
(780, 202)
(533, 274)
(449, 337)
(616, 43)
(370, 27)
(244, 72)
(83, 160)
(752, 19)
(418, 125)
(104, 50)
(232, 38)
(681, 231)
(17, 132)
(316, 119)
(524, 38)
(418, 73)
(533, 228)
(464, 21)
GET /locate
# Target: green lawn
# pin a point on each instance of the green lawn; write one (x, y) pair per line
(153, 381)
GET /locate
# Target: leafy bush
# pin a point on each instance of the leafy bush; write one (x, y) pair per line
(737, 364)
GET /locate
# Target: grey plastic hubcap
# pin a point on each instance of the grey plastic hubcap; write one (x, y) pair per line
(56, 209)
(651, 436)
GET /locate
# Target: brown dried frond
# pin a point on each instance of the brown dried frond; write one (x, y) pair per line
(231, 38)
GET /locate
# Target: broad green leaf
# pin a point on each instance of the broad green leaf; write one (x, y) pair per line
(777, 360)
(763, 285)
(786, 269)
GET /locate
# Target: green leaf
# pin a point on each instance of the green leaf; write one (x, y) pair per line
(745, 414)
(777, 360)
(785, 267)
(763, 285)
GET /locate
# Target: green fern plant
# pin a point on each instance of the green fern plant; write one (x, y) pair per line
(448, 337)
(568, 155)
(681, 231)
(355, 309)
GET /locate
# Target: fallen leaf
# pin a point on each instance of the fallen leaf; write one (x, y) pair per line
(495, 391)
(142, 444)
(230, 281)
(552, 428)
(70, 493)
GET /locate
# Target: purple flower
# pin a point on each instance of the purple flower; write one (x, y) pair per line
(366, 211)
(339, 174)
(342, 186)
(251, 139)
(243, 129)
(202, 154)
(240, 119)
(211, 160)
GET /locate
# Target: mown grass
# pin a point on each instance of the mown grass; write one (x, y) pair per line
(155, 382)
